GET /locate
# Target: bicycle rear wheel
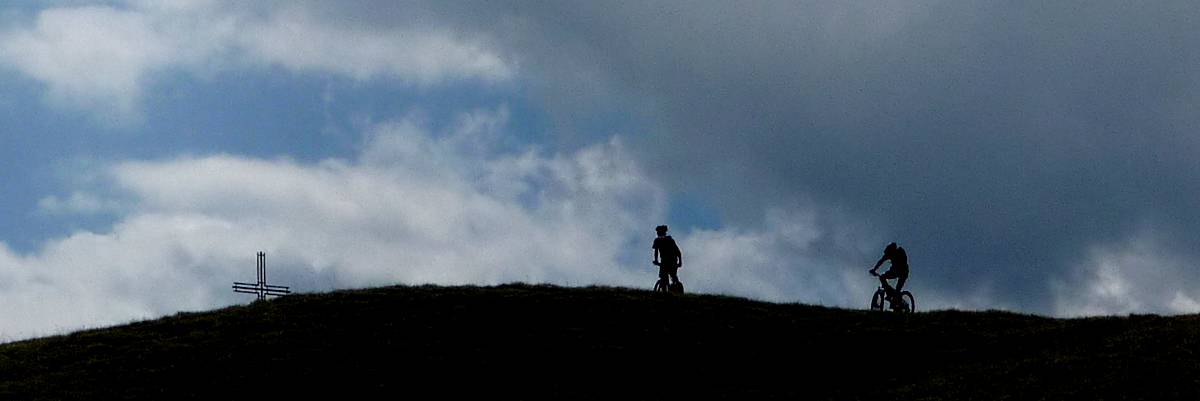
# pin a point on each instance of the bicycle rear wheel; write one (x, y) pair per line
(660, 286)
(877, 300)
(912, 302)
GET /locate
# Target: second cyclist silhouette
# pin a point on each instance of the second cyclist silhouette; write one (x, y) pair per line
(668, 258)
(898, 271)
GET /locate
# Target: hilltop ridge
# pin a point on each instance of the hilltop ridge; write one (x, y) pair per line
(535, 341)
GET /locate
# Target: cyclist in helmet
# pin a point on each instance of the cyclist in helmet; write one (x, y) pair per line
(667, 256)
(898, 271)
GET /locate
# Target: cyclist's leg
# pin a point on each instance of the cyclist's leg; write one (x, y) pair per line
(663, 276)
(887, 288)
(903, 278)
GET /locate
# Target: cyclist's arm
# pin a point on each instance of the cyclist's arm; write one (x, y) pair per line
(680, 259)
(656, 256)
(879, 263)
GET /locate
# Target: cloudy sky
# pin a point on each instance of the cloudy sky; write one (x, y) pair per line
(1035, 156)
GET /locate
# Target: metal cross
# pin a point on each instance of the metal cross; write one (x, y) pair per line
(261, 287)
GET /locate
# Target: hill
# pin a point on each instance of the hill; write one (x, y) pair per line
(522, 341)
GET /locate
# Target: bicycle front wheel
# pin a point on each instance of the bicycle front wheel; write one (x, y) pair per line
(877, 300)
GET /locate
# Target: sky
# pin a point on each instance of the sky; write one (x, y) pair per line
(1037, 157)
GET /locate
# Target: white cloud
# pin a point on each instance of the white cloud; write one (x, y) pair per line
(147, 266)
(101, 58)
(415, 206)
(88, 56)
(1182, 303)
(1138, 275)
(457, 211)
(781, 262)
(428, 216)
(296, 39)
(78, 203)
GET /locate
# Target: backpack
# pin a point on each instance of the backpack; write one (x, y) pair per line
(669, 251)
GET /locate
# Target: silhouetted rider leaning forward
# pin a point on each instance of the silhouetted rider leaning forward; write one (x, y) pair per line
(898, 271)
(667, 256)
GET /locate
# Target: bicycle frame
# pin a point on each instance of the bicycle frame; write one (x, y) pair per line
(879, 299)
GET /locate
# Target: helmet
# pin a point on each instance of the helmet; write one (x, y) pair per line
(661, 229)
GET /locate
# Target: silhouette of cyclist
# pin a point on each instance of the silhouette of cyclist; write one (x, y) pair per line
(898, 271)
(671, 258)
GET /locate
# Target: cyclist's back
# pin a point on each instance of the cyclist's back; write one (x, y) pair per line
(899, 260)
(668, 251)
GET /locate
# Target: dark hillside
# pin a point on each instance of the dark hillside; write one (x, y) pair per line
(520, 341)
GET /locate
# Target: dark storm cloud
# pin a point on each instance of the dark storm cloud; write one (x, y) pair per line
(998, 141)
(1001, 143)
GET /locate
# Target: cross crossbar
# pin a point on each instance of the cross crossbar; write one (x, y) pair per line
(253, 285)
(261, 288)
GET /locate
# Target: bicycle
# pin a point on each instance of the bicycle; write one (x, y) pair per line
(908, 303)
(661, 286)
(664, 285)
